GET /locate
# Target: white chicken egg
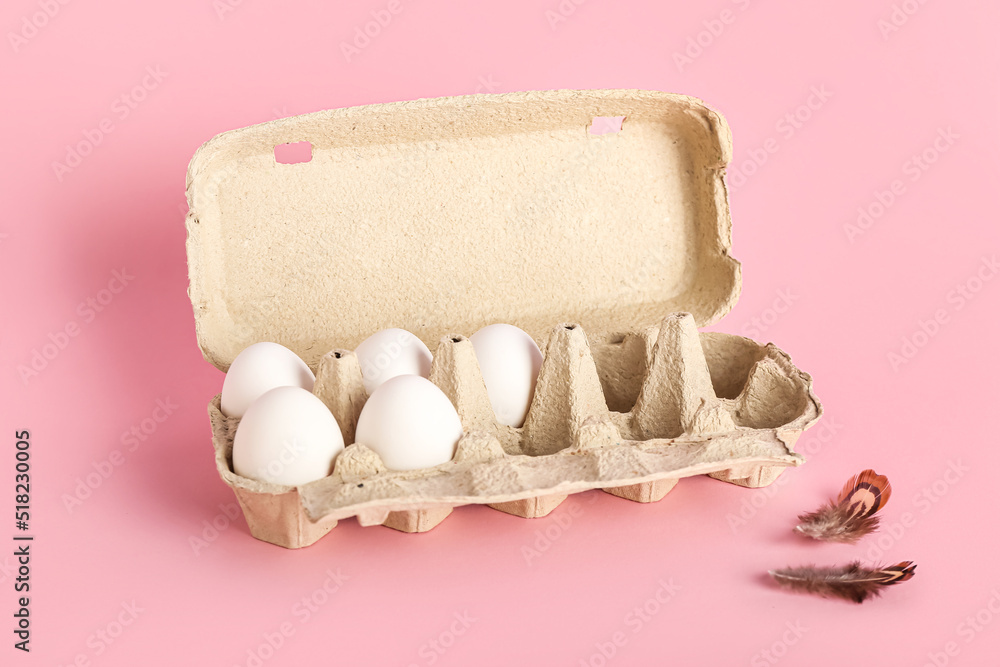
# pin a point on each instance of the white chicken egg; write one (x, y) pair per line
(410, 423)
(260, 368)
(390, 353)
(287, 436)
(509, 361)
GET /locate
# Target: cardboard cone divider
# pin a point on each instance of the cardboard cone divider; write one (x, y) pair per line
(630, 397)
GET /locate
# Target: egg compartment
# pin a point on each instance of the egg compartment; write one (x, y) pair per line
(706, 404)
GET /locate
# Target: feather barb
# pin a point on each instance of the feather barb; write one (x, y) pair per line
(853, 582)
(853, 514)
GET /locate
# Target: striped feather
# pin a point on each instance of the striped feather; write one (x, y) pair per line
(850, 582)
(853, 514)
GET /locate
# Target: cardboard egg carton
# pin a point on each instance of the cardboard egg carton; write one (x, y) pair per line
(451, 214)
(571, 441)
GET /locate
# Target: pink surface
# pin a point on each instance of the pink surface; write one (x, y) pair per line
(485, 588)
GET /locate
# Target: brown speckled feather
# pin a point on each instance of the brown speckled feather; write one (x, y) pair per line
(852, 516)
(851, 582)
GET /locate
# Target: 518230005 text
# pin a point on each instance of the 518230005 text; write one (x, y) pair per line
(22, 542)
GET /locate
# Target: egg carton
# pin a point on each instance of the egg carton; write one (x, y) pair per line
(450, 214)
(630, 414)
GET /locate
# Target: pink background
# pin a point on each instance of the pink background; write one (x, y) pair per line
(840, 306)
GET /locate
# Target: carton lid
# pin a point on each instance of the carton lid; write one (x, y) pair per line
(445, 215)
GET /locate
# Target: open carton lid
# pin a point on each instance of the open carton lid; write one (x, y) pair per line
(445, 215)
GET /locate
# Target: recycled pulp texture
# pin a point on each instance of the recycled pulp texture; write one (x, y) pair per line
(736, 418)
(449, 214)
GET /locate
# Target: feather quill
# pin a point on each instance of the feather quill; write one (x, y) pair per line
(851, 582)
(852, 515)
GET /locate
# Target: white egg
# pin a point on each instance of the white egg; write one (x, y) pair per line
(260, 368)
(287, 436)
(390, 353)
(509, 361)
(410, 423)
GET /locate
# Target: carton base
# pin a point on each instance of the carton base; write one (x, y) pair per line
(645, 492)
(752, 477)
(279, 519)
(736, 416)
(416, 521)
(530, 508)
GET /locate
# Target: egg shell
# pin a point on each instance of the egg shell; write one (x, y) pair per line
(287, 436)
(258, 369)
(391, 353)
(509, 361)
(410, 423)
